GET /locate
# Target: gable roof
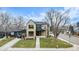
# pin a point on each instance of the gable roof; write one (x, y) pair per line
(38, 22)
(30, 21)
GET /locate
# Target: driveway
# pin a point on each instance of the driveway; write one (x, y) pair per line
(9, 44)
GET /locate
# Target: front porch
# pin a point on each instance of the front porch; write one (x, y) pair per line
(33, 34)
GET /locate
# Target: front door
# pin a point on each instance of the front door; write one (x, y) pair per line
(38, 33)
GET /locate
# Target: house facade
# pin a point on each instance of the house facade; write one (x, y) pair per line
(34, 29)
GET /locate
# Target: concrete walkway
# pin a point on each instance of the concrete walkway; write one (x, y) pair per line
(75, 48)
(72, 39)
(2, 38)
(37, 42)
(9, 44)
(44, 49)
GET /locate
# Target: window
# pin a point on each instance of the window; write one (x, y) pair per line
(31, 26)
(43, 27)
(31, 33)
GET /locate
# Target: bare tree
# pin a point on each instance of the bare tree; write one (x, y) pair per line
(21, 25)
(9, 23)
(57, 20)
(5, 18)
(20, 22)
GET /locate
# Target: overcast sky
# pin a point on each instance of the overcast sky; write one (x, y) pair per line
(38, 13)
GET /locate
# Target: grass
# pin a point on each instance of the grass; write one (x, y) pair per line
(28, 43)
(5, 40)
(51, 42)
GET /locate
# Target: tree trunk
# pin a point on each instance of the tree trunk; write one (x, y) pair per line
(55, 36)
(6, 35)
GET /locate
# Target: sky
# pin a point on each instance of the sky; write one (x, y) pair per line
(38, 13)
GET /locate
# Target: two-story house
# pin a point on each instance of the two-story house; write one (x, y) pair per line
(34, 29)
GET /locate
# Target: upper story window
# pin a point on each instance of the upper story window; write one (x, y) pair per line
(43, 27)
(31, 26)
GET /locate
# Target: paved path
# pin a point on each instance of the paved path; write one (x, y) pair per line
(37, 42)
(63, 36)
(2, 38)
(9, 44)
(72, 39)
(43, 49)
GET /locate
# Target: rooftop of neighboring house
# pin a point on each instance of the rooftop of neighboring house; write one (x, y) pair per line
(76, 29)
(12, 28)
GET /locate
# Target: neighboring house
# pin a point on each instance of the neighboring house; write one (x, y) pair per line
(17, 33)
(37, 29)
(67, 28)
(13, 31)
(76, 31)
(64, 29)
(72, 29)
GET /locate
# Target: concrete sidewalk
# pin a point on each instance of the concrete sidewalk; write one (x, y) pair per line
(2, 38)
(37, 42)
(72, 40)
(62, 37)
(9, 44)
(75, 48)
(43, 49)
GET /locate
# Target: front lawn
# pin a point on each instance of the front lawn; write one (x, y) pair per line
(5, 40)
(28, 43)
(51, 42)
